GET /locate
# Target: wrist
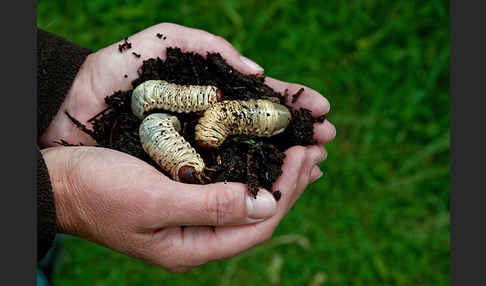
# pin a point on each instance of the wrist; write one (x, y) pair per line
(55, 160)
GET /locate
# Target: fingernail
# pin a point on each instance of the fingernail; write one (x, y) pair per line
(264, 206)
(316, 173)
(252, 65)
(318, 154)
(324, 156)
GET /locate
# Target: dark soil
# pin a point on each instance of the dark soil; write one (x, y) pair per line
(124, 46)
(254, 161)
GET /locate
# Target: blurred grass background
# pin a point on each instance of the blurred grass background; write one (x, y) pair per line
(380, 214)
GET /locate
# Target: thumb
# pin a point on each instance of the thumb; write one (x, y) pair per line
(217, 204)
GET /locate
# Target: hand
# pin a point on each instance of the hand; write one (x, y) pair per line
(123, 203)
(103, 72)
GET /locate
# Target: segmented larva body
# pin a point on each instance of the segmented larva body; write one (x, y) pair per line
(254, 118)
(160, 138)
(159, 94)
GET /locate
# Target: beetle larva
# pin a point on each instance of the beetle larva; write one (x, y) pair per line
(255, 118)
(160, 138)
(159, 94)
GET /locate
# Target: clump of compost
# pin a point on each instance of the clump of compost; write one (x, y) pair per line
(256, 162)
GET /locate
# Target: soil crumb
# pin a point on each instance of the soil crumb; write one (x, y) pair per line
(295, 97)
(124, 46)
(321, 118)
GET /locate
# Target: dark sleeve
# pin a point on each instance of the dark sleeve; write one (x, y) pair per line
(46, 212)
(58, 62)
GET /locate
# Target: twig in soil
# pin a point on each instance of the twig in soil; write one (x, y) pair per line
(297, 94)
(65, 143)
(81, 126)
(286, 94)
(99, 114)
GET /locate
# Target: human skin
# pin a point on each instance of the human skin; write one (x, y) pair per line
(125, 204)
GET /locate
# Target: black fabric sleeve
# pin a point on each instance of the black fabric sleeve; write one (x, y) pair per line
(46, 211)
(58, 62)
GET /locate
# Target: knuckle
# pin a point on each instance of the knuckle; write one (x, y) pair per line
(74, 168)
(164, 25)
(300, 152)
(322, 154)
(218, 39)
(315, 155)
(221, 205)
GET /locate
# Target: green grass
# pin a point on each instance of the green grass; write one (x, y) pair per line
(380, 215)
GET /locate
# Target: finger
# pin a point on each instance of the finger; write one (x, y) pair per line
(316, 173)
(294, 179)
(309, 98)
(324, 132)
(188, 40)
(202, 42)
(214, 204)
(199, 245)
(314, 155)
(289, 182)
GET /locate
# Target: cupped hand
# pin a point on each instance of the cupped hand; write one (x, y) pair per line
(103, 73)
(123, 203)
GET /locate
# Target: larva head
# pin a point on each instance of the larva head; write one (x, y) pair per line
(219, 95)
(187, 174)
